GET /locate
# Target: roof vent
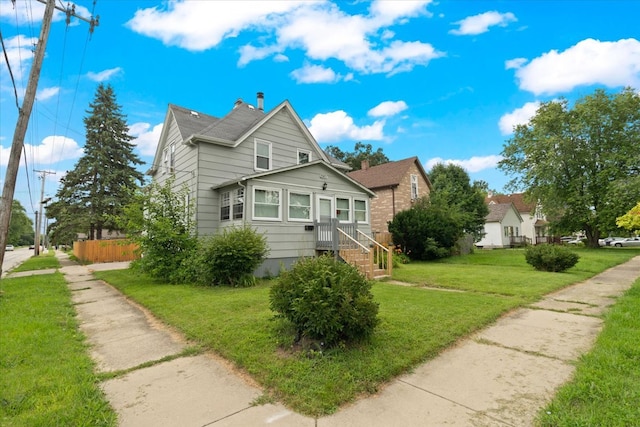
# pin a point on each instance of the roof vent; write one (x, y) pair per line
(251, 107)
(195, 114)
(238, 102)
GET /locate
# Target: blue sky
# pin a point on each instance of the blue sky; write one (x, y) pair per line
(441, 80)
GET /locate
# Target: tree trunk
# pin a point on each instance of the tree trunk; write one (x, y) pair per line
(593, 235)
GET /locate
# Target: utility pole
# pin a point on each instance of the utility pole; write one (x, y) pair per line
(39, 217)
(24, 114)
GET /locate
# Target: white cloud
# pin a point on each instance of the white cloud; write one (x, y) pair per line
(478, 24)
(47, 93)
(18, 50)
(337, 125)
(514, 63)
(519, 116)
(363, 42)
(53, 149)
(146, 138)
(387, 108)
(589, 62)
(104, 75)
(315, 74)
(472, 165)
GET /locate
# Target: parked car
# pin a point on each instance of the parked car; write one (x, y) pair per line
(629, 241)
(609, 240)
(8, 248)
(574, 242)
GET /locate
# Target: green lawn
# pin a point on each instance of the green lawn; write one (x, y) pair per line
(46, 374)
(45, 386)
(43, 261)
(606, 388)
(416, 323)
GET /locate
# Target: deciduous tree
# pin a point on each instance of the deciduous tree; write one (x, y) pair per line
(361, 152)
(20, 227)
(581, 163)
(451, 186)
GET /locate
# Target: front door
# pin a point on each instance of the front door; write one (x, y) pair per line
(325, 209)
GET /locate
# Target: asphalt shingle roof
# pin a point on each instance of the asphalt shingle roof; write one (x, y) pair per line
(497, 212)
(385, 175)
(517, 199)
(229, 128)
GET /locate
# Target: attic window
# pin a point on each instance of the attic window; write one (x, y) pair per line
(414, 187)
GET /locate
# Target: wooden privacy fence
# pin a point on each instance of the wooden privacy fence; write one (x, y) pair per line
(105, 250)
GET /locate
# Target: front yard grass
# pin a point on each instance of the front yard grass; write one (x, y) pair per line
(46, 374)
(605, 390)
(416, 323)
(43, 261)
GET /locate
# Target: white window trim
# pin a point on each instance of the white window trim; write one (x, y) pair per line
(255, 154)
(308, 152)
(301, 193)
(366, 210)
(227, 195)
(414, 181)
(237, 200)
(350, 210)
(253, 204)
(333, 206)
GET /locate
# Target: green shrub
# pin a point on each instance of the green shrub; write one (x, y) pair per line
(228, 258)
(550, 257)
(325, 300)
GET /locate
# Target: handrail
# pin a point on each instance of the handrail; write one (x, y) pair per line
(363, 247)
(373, 241)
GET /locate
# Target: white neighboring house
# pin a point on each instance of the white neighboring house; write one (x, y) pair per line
(534, 222)
(502, 227)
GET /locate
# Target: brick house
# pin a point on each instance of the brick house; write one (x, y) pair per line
(396, 185)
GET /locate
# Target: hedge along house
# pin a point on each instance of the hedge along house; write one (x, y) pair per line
(266, 170)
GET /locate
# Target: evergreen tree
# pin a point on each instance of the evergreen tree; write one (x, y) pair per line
(103, 180)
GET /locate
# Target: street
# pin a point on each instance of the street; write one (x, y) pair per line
(15, 257)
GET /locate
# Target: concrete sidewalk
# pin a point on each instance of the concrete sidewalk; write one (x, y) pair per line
(500, 376)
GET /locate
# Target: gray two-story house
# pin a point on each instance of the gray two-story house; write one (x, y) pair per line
(263, 169)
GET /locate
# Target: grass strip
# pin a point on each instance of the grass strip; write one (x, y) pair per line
(605, 390)
(41, 262)
(47, 376)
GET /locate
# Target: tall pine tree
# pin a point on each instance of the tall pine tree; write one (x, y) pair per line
(94, 193)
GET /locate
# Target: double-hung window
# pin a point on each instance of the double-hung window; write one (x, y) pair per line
(360, 210)
(414, 187)
(168, 158)
(266, 204)
(343, 209)
(238, 204)
(225, 206)
(299, 206)
(262, 155)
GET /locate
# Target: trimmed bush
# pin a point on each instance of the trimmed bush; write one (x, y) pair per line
(228, 258)
(325, 300)
(550, 257)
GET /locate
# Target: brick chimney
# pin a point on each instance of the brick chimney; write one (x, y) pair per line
(364, 165)
(260, 101)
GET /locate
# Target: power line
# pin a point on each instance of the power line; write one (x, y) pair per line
(6, 58)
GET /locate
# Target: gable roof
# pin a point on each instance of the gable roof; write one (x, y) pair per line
(294, 167)
(230, 130)
(498, 211)
(517, 199)
(388, 174)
